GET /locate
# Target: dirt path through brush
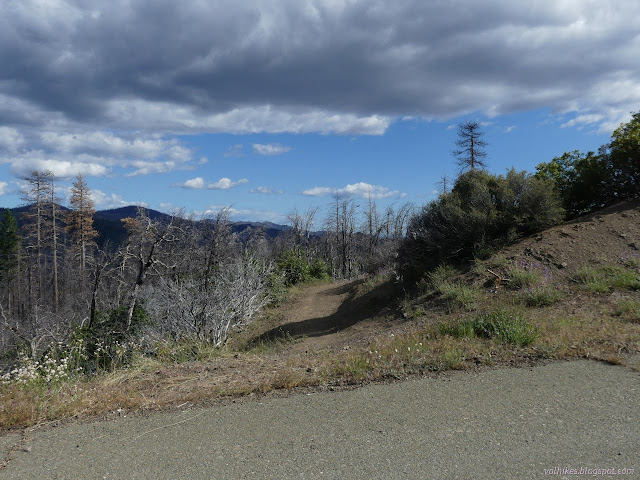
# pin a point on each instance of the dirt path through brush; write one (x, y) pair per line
(333, 316)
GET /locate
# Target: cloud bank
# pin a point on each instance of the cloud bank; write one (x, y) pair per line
(222, 184)
(92, 87)
(360, 189)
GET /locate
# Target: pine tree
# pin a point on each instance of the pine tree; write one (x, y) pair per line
(470, 154)
(9, 254)
(80, 220)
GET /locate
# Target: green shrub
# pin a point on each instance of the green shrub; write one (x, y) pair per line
(441, 274)
(294, 266)
(108, 344)
(482, 212)
(522, 278)
(628, 310)
(458, 294)
(319, 269)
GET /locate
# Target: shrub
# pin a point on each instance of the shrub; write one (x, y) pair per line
(319, 269)
(483, 211)
(629, 310)
(107, 344)
(294, 266)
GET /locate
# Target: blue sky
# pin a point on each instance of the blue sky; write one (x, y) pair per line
(270, 106)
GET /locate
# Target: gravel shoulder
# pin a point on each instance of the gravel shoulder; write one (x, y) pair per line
(501, 423)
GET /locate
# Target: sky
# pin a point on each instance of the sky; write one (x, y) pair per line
(266, 106)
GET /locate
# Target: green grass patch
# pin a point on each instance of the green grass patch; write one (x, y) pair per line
(441, 274)
(520, 278)
(458, 294)
(604, 278)
(628, 310)
(542, 296)
(501, 325)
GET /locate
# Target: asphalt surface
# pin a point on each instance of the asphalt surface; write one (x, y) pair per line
(496, 424)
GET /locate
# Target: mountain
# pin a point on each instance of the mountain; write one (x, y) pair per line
(109, 226)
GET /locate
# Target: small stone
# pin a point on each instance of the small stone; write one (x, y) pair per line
(634, 245)
(562, 265)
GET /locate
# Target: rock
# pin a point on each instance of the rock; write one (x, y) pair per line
(634, 245)
(562, 265)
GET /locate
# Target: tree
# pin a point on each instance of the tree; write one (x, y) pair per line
(624, 158)
(37, 194)
(9, 254)
(53, 202)
(80, 220)
(470, 153)
(584, 182)
(150, 241)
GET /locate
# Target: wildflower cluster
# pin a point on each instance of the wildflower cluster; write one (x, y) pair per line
(49, 370)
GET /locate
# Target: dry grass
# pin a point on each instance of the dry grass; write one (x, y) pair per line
(578, 324)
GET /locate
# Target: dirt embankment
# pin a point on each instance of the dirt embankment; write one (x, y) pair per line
(608, 235)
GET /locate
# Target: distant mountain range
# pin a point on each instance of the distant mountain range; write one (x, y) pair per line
(109, 226)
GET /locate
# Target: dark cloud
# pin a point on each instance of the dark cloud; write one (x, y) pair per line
(301, 65)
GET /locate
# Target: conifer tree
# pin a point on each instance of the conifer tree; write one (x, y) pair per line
(80, 221)
(9, 254)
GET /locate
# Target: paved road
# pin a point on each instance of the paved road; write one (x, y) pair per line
(505, 423)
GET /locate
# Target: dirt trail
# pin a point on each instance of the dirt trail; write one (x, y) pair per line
(333, 316)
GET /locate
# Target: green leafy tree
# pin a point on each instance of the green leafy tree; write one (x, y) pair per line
(584, 182)
(624, 158)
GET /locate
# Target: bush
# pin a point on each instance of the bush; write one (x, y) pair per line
(482, 212)
(107, 344)
(319, 269)
(293, 265)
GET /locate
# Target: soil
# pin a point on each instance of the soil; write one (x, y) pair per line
(608, 235)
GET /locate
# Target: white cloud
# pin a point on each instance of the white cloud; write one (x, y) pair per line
(197, 182)
(3, 187)
(144, 167)
(581, 120)
(105, 201)
(226, 183)
(23, 164)
(266, 191)
(360, 189)
(222, 184)
(270, 149)
(235, 151)
(10, 139)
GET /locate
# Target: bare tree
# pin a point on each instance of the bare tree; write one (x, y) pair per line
(53, 203)
(470, 153)
(301, 225)
(444, 184)
(148, 238)
(80, 221)
(36, 194)
(342, 222)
